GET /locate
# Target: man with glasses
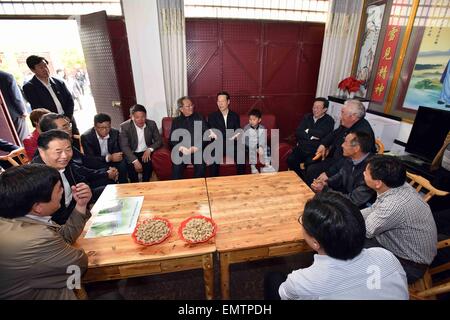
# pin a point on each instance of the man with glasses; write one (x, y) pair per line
(189, 149)
(101, 146)
(330, 150)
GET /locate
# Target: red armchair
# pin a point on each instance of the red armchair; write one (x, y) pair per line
(162, 164)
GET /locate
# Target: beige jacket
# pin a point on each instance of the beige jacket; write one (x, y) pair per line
(34, 257)
(438, 159)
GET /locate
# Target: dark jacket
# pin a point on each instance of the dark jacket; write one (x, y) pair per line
(91, 147)
(12, 95)
(75, 174)
(335, 139)
(319, 129)
(216, 121)
(350, 181)
(39, 97)
(7, 146)
(187, 123)
(128, 138)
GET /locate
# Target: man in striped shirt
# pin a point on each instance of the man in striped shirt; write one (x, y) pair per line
(399, 220)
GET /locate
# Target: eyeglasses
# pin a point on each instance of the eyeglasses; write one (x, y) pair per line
(67, 126)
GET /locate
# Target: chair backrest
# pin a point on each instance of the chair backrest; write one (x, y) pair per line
(380, 146)
(78, 138)
(13, 156)
(423, 185)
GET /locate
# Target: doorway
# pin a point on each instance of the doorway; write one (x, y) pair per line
(59, 42)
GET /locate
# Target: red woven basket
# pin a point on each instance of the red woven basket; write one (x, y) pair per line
(183, 225)
(168, 224)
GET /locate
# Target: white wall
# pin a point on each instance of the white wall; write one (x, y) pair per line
(141, 19)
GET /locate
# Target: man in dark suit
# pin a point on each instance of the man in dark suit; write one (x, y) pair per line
(14, 103)
(226, 122)
(55, 150)
(138, 138)
(101, 147)
(43, 91)
(312, 129)
(189, 149)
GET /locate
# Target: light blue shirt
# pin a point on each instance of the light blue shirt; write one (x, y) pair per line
(372, 275)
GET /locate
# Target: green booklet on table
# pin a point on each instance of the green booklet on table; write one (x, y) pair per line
(113, 217)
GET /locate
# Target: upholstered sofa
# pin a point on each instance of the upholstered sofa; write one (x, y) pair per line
(162, 164)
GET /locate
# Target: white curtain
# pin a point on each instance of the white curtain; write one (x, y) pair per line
(341, 34)
(173, 51)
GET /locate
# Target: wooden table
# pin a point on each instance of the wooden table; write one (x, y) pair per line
(119, 257)
(257, 218)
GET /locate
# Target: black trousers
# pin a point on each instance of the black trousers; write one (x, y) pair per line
(298, 156)
(178, 170)
(272, 282)
(147, 169)
(214, 168)
(315, 169)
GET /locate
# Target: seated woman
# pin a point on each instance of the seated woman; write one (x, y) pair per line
(334, 227)
(35, 252)
(30, 142)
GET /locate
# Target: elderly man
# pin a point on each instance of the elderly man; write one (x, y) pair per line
(313, 128)
(350, 178)
(189, 149)
(352, 119)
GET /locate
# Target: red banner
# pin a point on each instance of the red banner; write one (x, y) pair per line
(385, 63)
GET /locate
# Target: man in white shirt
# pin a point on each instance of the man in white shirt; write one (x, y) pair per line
(139, 138)
(333, 227)
(44, 91)
(101, 147)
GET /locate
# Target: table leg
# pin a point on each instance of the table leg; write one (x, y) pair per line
(225, 275)
(208, 275)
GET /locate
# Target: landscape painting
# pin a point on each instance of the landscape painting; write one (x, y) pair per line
(430, 81)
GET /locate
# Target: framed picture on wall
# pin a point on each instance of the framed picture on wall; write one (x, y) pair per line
(430, 79)
(369, 43)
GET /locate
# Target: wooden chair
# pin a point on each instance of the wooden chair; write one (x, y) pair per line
(422, 185)
(380, 146)
(18, 154)
(78, 138)
(424, 287)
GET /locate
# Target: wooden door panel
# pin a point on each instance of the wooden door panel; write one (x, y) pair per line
(241, 68)
(203, 68)
(272, 66)
(279, 76)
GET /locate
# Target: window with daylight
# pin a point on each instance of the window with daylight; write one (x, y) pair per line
(291, 10)
(62, 7)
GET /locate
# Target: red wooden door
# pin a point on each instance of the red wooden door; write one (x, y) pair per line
(273, 66)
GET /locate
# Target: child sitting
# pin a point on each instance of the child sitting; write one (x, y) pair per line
(255, 140)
